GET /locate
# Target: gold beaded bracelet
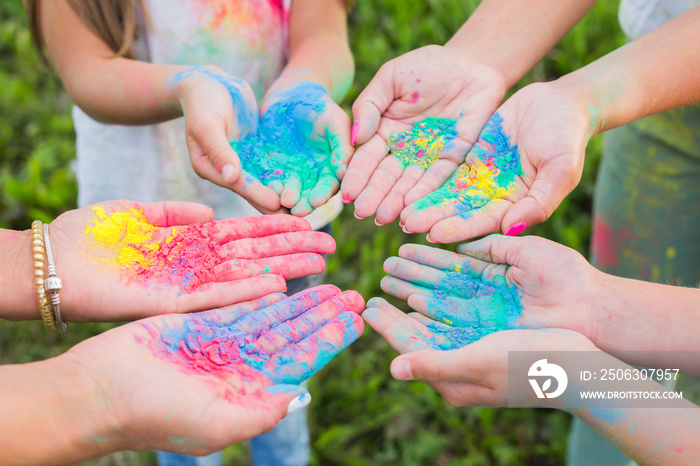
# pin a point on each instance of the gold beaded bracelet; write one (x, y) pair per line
(39, 257)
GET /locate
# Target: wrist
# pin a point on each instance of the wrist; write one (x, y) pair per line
(18, 296)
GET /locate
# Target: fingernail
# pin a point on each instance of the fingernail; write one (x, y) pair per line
(346, 200)
(300, 402)
(405, 230)
(374, 302)
(515, 229)
(401, 223)
(376, 222)
(358, 217)
(227, 172)
(401, 369)
(353, 135)
(427, 238)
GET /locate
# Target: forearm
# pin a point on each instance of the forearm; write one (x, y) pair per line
(632, 315)
(319, 49)
(511, 36)
(52, 415)
(654, 73)
(18, 299)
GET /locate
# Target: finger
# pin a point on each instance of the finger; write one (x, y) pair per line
(401, 332)
(292, 191)
(373, 102)
(289, 266)
(303, 207)
(463, 365)
(394, 202)
(553, 182)
(257, 226)
(383, 179)
(435, 176)
(400, 288)
(210, 137)
(254, 192)
(278, 245)
(418, 274)
(231, 313)
(259, 322)
(338, 135)
(326, 186)
(363, 164)
(300, 361)
(433, 257)
(470, 224)
(248, 416)
(276, 186)
(213, 295)
(175, 213)
(295, 330)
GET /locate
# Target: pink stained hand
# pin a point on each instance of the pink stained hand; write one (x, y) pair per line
(545, 132)
(428, 82)
(473, 375)
(213, 378)
(218, 109)
(122, 260)
(498, 283)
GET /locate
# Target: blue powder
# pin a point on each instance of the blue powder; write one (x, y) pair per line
(493, 305)
(283, 144)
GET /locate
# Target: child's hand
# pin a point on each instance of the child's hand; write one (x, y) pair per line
(528, 158)
(429, 82)
(302, 147)
(124, 260)
(498, 283)
(471, 375)
(197, 383)
(218, 109)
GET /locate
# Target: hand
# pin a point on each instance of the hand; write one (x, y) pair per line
(528, 158)
(218, 109)
(428, 82)
(302, 147)
(498, 283)
(471, 375)
(123, 260)
(197, 383)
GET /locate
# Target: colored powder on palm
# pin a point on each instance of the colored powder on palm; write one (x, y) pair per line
(422, 144)
(283, 145)
(207, 345)
(490, 172)
(183, 259)
(493, 305)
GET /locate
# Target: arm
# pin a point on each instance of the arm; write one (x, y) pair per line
(217, 107)
(478, 375)
(209, 380)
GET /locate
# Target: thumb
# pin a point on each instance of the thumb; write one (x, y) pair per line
(210, 140)
(553, 182)
(496, 249)
(433, 366)
(174, 213)
(372, 103)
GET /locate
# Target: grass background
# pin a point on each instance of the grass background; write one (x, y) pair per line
(359, 415)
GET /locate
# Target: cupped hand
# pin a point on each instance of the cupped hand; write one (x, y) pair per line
(218, 109)
(427, 83)
(528, 158)
(123, 260)
(302, 147)
(474, 374)
(197, 383)
(498, 283)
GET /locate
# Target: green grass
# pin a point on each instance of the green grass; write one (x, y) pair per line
(359, 415)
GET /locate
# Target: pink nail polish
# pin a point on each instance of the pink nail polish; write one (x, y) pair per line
(401, 223)
(346, 200)
(353, 135)
(515, 229)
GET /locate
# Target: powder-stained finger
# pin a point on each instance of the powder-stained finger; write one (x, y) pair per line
(393, 203)
(278, 245)
(435, 176)
(300, 361)
(379, 185)
(258, 226)
(451, 310)
(362, 165)
(326, 186)
(471, 224)
(292, 191)
(231, 313)
(419, 274)
(295, 330)
(400, 331)
(288, 266)
(400, 288)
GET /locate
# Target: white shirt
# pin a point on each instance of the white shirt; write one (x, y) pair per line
(638, 17)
